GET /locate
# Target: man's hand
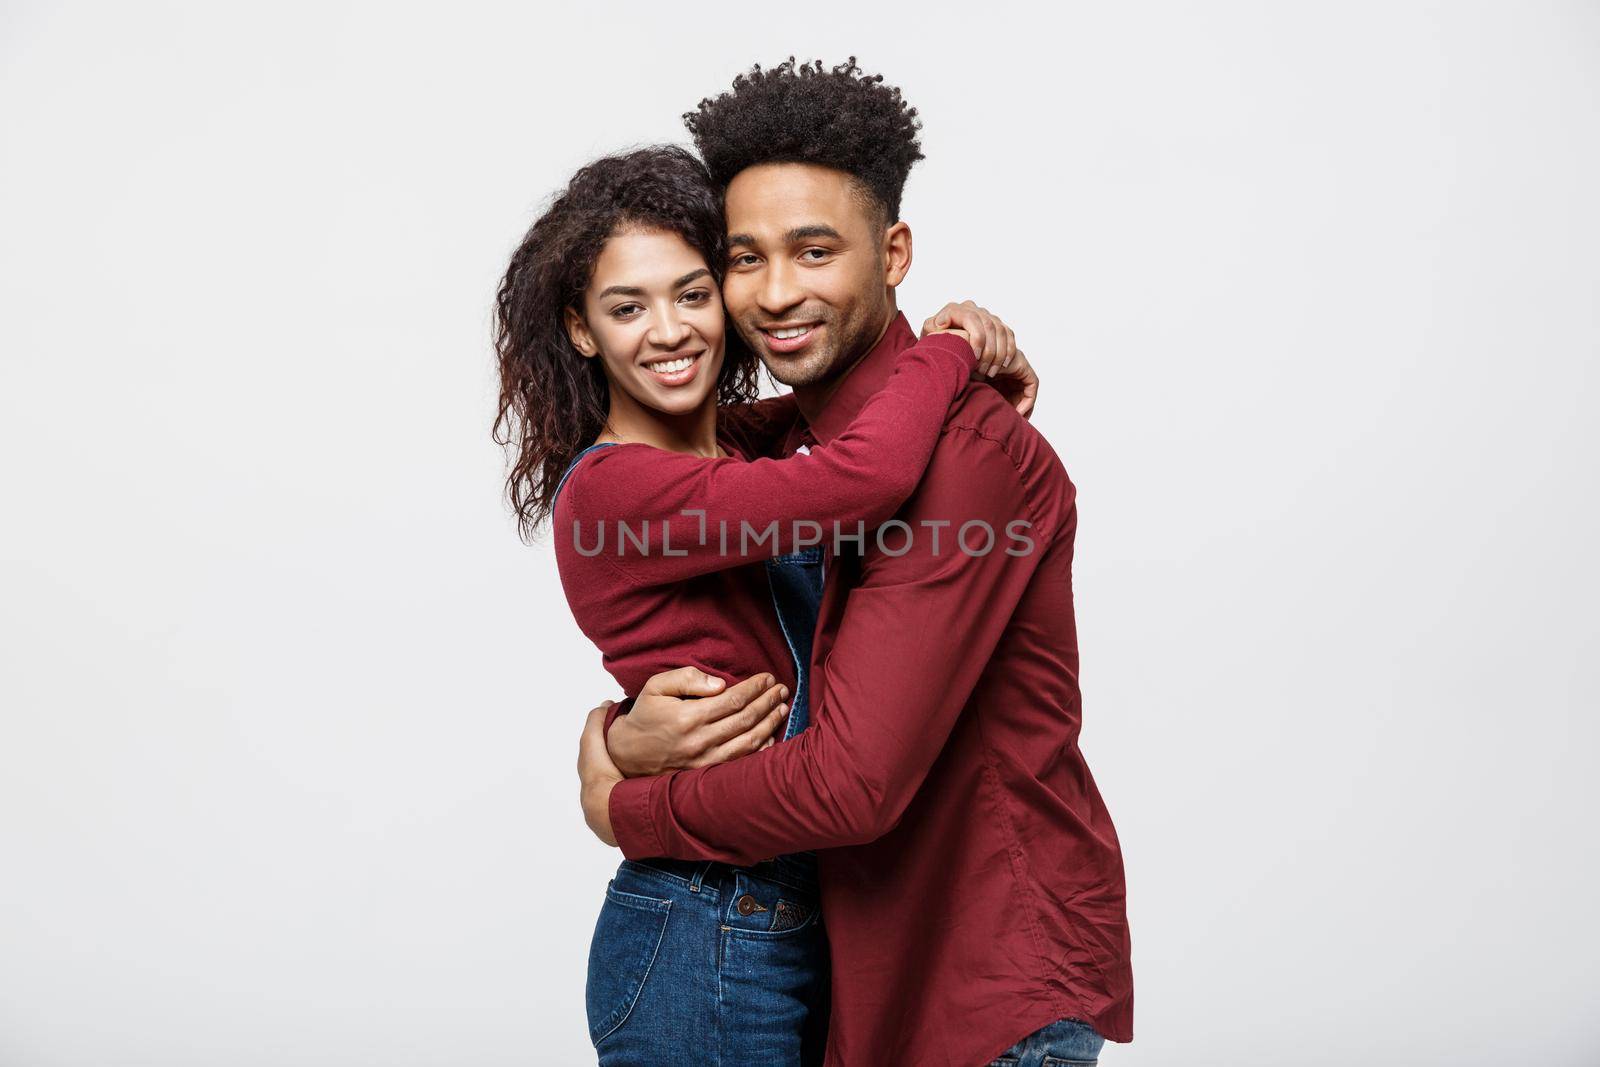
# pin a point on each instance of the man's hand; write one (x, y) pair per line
(999, 359)
(597, 775)
(688, 718)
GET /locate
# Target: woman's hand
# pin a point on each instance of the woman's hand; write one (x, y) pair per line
(688, 718)
(1018, 384)
(999, 360)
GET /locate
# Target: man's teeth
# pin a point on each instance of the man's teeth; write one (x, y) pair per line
(673, 366)
(784, 335)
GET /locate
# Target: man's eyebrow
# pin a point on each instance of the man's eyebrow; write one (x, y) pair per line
(629, 290)
(794, 236)
(803, 232)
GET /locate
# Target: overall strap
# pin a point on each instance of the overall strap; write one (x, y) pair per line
(568, 472)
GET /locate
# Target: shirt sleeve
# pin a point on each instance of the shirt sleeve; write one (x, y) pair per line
(662, 516)
(621, 707)
(893, 688)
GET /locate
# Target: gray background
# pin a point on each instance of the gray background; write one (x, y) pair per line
(290, 714)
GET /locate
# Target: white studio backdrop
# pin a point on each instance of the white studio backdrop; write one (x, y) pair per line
(290, 714)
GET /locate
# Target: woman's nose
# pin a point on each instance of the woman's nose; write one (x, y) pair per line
(669, 330)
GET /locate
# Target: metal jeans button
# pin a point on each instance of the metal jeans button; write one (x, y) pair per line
(748, 905)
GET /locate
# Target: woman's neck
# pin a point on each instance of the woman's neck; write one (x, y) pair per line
(694, 432)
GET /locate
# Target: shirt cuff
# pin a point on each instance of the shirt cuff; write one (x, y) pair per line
(614, 710)
(631, 822)
(956, 345)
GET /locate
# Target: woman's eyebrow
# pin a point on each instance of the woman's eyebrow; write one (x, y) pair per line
(632, 290)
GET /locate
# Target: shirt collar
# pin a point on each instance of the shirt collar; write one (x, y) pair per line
(860, 382)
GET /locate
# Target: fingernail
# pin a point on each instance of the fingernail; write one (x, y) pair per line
(783, 691)
(993, 371)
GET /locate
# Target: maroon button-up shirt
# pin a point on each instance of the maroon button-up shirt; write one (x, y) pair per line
(972, 882)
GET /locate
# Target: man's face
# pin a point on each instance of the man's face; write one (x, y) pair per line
(806, 285)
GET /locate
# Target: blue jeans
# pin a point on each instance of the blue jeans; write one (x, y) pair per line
(1068, 1043)
(705, 964)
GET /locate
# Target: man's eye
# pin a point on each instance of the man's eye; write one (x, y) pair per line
(822, 253)
(744, 259)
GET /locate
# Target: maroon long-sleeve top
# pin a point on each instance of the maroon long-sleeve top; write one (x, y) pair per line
(972, 880)
(659, 552)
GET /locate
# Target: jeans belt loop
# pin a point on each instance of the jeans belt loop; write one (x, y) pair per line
(700, 876)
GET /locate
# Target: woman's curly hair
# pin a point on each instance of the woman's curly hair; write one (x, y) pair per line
(840, 118)
(553, 401)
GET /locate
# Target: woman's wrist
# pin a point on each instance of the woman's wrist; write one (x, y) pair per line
(968, 351)
(629, 747)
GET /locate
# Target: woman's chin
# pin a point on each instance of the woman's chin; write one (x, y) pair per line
(681, 402)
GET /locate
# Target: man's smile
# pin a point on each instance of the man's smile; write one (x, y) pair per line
(790, 337)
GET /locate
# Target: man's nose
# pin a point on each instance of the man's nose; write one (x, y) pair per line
(779, 291)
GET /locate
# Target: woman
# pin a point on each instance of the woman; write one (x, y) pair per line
(614, 359)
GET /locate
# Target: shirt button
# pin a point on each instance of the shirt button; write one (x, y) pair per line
(747, 905)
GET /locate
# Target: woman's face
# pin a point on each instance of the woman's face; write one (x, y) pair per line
(653, 315)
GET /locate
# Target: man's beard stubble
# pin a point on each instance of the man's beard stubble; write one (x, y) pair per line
(819, 364)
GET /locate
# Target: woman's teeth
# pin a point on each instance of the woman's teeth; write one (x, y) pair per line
(673, 366)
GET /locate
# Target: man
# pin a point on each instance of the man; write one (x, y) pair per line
(972, 882)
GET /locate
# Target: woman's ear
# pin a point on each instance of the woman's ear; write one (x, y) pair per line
(578, 331)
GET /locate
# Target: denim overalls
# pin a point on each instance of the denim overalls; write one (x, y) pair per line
(709, 964)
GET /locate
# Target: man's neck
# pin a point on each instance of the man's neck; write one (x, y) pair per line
(811, 399)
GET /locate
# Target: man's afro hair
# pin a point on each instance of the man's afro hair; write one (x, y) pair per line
(841, 118)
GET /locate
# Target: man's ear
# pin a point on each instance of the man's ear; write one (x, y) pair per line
(896, 253)
(578, 332)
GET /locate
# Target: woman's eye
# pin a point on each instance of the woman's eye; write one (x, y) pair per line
(624, 311)
(698, 296)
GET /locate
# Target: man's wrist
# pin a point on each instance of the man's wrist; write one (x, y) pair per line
(597, 808)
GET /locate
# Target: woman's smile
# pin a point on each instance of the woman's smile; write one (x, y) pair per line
(676, 370)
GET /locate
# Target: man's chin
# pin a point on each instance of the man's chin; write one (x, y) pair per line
(805, 370)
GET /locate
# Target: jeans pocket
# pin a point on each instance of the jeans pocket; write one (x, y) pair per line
(1067, 1042)
(627, 937)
